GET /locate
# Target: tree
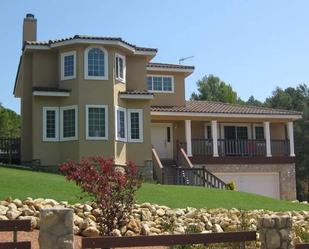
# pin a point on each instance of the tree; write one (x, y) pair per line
(254, 102)
(213, 89)
(9, 123)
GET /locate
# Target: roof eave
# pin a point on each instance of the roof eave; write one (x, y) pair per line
(227, 115)
(187, 71)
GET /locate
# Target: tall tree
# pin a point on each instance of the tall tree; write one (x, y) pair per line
(212, 88)
(9, 123)
(253, 101)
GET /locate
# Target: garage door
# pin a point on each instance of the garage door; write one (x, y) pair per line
(266, 184)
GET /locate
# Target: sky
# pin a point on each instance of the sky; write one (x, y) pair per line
(253, 45)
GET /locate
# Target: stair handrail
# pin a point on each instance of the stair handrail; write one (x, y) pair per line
(158, 168)
(184, 159)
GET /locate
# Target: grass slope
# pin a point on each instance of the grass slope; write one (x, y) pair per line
(22, 183)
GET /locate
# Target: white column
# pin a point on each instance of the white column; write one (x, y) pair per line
(267, 137)
(188, 137)
(214, 132)
(290, 130)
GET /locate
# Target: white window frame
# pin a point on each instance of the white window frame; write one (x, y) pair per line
(86, 76)
(205, 131)
(141, 130)
(118, 78)
(118, 108)
(254, 132)
(63, 108)
(236, 125)
(56, 138)
(162, 76)
(63, 55)
(87, 122)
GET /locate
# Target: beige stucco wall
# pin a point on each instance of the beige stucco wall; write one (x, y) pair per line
(44, 71)
(170, 99)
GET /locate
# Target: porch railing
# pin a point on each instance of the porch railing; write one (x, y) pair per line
(238, 147)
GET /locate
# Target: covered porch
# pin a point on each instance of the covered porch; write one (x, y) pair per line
(217, 141)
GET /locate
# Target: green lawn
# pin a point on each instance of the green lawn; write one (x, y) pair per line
(22, 183)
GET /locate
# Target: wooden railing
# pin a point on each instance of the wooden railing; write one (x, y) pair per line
(15, 226)
(241, 147)
(302, 246)
(199, 177)
(168, 240)
(238, 147)
(9, 150)
(158, 169)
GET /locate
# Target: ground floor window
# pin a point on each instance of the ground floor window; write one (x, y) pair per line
(129, 125)
(50, 123)
(121, 124)
(68, 123)
(259, 132)
(135, 120)
(96, 122)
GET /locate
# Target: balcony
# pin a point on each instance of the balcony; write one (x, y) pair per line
(238, 150)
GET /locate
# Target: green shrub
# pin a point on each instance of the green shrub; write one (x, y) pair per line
(231, 186)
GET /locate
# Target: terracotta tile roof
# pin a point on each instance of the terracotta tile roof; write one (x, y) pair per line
(165, 65)
(221, 108)
(137, 92)
(85, 37)
(49, 89)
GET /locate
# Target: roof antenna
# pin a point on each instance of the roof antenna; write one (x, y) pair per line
(185, 58)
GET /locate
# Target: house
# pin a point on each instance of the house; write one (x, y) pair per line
(85, 96)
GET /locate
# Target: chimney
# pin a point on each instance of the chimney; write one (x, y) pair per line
(29, 28)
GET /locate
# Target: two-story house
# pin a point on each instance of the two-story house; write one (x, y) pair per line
(86, 96)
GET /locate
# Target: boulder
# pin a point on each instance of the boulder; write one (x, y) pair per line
(91, 232)
(13, 214)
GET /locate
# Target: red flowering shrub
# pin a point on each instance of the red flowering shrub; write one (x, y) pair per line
(113, 188)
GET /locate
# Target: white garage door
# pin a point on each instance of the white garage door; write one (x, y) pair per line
(259, 183)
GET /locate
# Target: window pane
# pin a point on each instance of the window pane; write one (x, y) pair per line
(120, 60)
(68, 65)
(149, 83)
(96, 62)
(167, 83)
(134, 118)
(121, 124)
(242, 132)
(96, 122)
(50, 124)
(157, 83)
(69, 123)
(259, 133)
(209, 135)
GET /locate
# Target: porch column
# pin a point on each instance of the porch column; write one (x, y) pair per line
(188, 137)
(290, 130)
(267, 138)
(214, 132)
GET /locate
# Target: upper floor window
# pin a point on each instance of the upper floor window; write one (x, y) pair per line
(96, 122)
(96, 62)
(120, 67)
(160, 83)
(50, 123)
(68, 65)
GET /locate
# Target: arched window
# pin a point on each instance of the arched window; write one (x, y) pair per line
(96, 63)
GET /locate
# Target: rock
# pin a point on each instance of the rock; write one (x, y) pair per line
(217, 228)
(160, 212)
(2, 217)
(145, 229)
(91, 232)
(18, 202)
(134, 225)
(3, 210)
(87, 208)
(27, 212)
(155, 230)
(146, 215)
(130, 233)
(13, 214)
(116, 233)
(12, 206)
(76, 229)
(96, 212)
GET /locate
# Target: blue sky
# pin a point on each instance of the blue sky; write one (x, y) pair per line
(252, 45)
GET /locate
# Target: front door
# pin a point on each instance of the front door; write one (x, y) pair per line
(161, 139)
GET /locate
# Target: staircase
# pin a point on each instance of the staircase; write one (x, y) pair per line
(182, 172)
